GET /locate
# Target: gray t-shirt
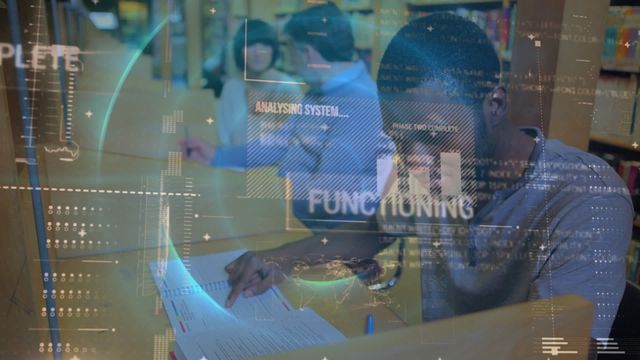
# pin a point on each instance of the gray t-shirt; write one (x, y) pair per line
(563, 228)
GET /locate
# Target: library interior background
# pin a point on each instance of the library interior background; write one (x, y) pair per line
(432, 179)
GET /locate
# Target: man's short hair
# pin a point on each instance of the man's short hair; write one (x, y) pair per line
(257, 32)
(455, 54)
(445, 48)
(326, 29)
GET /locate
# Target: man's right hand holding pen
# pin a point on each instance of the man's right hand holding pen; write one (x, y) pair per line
(253, 273)
(197, 150)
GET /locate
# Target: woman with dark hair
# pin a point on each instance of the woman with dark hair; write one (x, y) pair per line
(255, 63)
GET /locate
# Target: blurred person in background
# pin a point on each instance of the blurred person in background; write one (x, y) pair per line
(262, 53)
(328, 145)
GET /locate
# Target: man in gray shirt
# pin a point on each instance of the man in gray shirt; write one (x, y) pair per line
(502, 214)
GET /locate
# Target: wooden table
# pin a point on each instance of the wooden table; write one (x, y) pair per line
(135, 325)
(115, 312)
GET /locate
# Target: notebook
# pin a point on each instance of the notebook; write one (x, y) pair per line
(261, 325)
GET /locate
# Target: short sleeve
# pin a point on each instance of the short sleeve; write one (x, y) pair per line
(586, 256)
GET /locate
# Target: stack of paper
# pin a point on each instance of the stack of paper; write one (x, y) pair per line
(255, 326)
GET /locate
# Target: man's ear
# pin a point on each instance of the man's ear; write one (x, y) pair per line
(496, 106)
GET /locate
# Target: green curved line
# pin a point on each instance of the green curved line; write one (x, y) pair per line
(190, 281)
(325, 283)
(123, 78)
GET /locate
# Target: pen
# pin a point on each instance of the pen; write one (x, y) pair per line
(186, 141)
(370, 324)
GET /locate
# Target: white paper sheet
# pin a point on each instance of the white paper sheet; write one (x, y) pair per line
(265, 324)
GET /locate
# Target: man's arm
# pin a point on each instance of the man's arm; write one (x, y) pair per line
(253, 154)
(255, 272)
(266, 150)
(587, 257)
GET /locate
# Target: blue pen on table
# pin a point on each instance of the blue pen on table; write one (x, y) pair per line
(186, 141)
(370, 324)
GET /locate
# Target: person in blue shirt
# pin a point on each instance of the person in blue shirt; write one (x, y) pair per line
(502, 214)
(260, 41)
(328, 147)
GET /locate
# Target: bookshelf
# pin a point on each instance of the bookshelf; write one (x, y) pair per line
(392, 15)
(497, 18)
(615, 135)
(621, 143)
(619, 71)
(374, 21)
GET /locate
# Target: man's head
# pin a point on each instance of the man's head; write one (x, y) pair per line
(319, 36)
(262, 48)
(439, 84)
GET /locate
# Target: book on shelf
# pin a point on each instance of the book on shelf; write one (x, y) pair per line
(613, 111)
(621, 50)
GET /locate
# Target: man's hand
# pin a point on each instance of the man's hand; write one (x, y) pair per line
(197, 150)
(253, 273)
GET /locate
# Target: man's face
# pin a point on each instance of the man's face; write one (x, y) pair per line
(301, 61)
(430, 125)
(259, 58)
